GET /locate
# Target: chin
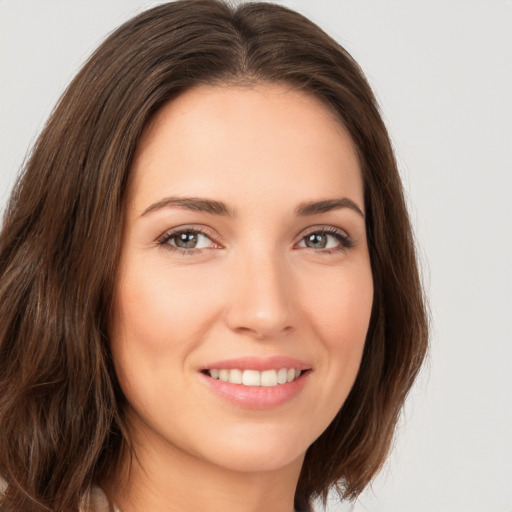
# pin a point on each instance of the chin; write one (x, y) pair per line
(258, 460)
(258, 449)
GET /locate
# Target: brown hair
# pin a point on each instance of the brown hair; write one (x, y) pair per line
(61, 422)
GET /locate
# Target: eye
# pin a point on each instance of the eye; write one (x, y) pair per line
(327, 239)
(187, 240)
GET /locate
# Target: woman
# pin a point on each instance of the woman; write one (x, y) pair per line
(209, 292)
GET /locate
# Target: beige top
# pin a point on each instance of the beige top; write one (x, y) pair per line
(93, 501)
(96, 501)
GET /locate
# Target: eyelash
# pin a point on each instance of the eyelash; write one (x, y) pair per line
(164, 240)
(341, 236)
(345, 241)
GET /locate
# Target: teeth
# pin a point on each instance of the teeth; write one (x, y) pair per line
(267, 378)
(236, 376)
(251, 378)
(281, 376)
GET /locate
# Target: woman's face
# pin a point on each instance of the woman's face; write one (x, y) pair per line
(245, 287)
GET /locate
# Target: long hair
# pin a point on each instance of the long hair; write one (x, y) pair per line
(61, 408)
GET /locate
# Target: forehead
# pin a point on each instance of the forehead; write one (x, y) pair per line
(229, 141)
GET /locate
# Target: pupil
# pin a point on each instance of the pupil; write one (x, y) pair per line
(186, 240)
(317, 241)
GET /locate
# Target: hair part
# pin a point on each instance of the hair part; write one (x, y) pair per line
(61, 407)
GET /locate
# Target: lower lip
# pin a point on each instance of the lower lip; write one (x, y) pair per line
(257, 397)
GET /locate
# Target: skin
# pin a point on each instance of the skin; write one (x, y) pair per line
(256, 288)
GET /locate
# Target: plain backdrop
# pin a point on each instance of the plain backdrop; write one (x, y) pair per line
(442, 71)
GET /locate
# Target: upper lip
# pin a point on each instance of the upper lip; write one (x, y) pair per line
(258, 363)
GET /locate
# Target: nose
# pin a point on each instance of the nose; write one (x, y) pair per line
(262, 303)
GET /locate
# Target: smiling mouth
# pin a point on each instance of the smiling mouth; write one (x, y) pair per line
(266, 378)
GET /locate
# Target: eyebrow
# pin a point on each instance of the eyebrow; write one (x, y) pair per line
(315, 207)
(213, 207)
(197, 204)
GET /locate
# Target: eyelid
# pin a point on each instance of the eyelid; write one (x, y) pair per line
(345, 241)
(322, 228)
(342, 235)
(164, 238)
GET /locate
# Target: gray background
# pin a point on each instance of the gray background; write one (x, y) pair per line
(442, 71)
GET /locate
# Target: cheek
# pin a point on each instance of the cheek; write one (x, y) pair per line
(339, 309)
(342, 306)
(154, 330)
(157, 308)
(341, 317)
(162, 316)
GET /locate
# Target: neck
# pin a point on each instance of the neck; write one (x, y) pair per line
(163, 478)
